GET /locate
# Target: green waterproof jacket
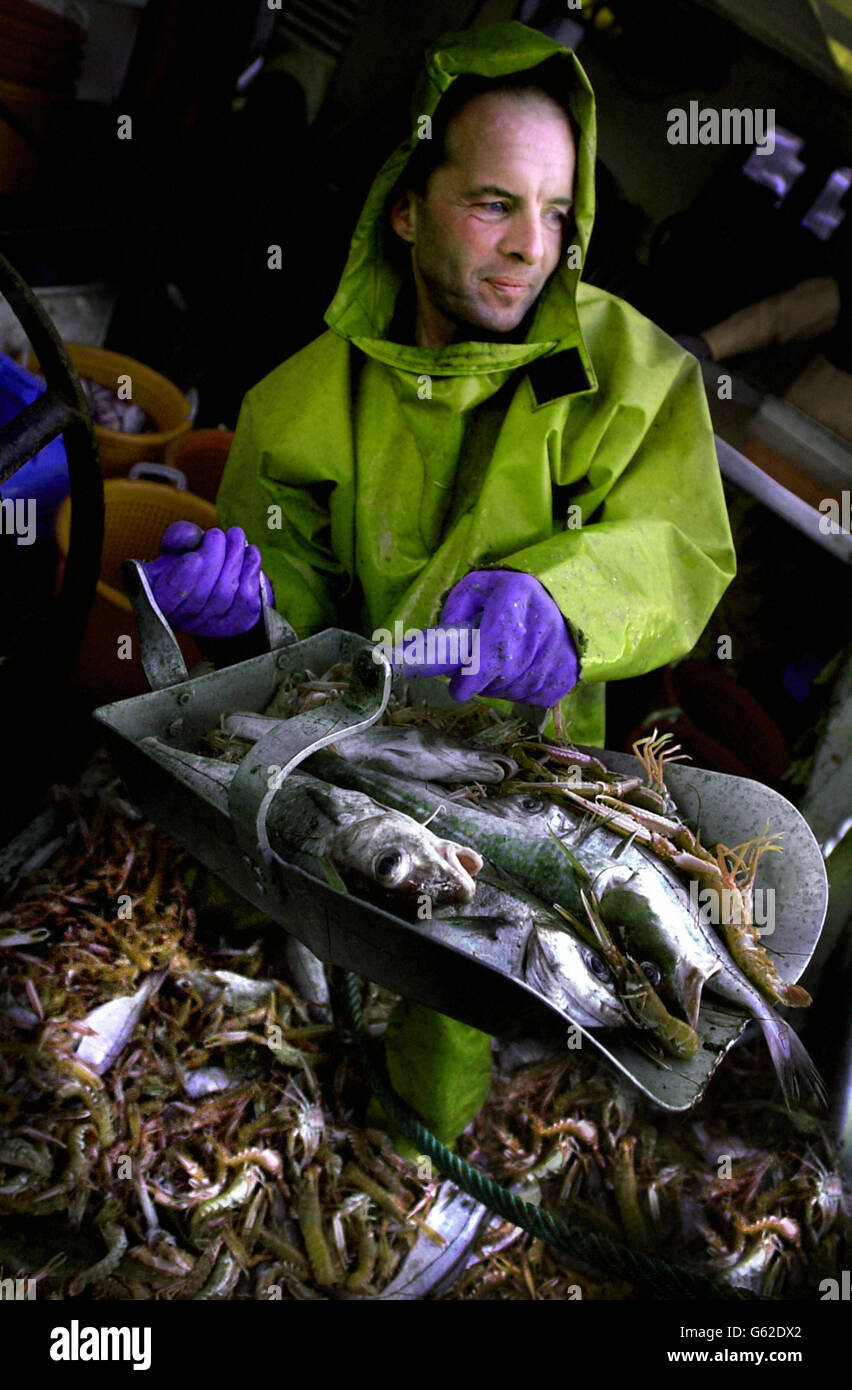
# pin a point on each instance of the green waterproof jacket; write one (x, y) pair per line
(374, 474)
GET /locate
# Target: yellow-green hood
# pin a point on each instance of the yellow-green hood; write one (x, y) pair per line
(363, 307)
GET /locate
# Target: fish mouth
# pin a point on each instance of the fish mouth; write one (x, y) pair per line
(466, 859)
(464, 863)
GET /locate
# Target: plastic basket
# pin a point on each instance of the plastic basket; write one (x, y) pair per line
(201, 455)
(158, 397)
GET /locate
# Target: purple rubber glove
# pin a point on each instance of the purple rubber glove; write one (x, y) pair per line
(526, 652)
(207, 583)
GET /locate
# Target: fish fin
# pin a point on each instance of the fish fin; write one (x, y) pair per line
(321, 867)
(790, 1058)
(332, 877)
(322, 797)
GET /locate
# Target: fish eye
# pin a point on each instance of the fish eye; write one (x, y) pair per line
(596, 965)
(390, 867)
(651, 972)
(530, 803)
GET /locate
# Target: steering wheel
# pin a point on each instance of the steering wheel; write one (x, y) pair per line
(43, 644)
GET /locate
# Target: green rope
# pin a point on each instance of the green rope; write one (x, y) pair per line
(646, 1271)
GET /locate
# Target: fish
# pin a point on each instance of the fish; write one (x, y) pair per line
(545, 815)
(426, 755)
(638, 908)
(423, 754)
(339, 833)
(375, 848)
(532, 860)
(653, 919)
(540, 864)
(641, 899)
(309, 976)
(539, 813)
(651, 915)
(573, 977)
(567, 971)
(113, 1024)
(622, 892)
(399, 855)
(595, 988)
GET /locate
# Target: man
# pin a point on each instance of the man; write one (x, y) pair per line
(477, 425)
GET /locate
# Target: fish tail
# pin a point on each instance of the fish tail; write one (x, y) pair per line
(796, 1071)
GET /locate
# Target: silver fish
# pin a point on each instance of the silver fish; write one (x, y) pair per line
(399, 855)
(790, 1058)
(422, 754)
(113, 1024)
(310, 978)
(573, 976)
(543, 815)
(425, 756)
(316, 825)
(371, 846)
(539, 813)
(649, 909)
(567, 971)
(653, 920)
(528, 853)
(640, 897)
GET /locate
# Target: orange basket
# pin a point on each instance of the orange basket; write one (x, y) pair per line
(135, 516)
(201, 456)
(158, 397)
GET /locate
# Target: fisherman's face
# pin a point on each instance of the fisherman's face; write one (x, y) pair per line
(489, 231)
